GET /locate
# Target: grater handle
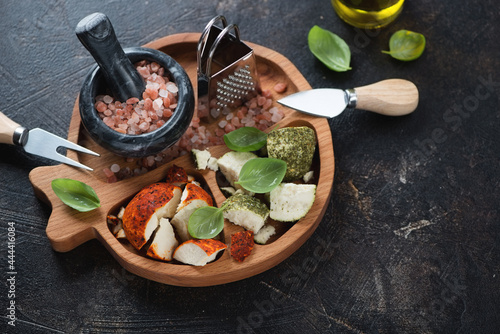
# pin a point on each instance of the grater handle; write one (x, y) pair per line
(204, 40)
(217, 41)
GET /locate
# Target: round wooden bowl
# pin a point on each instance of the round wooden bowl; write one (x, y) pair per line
(68, 228)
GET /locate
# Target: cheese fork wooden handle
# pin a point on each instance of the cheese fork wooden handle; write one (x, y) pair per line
(11, 132)
(391, 97)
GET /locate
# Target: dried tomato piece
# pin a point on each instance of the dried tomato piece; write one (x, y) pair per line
(176, 175)
(241, 245)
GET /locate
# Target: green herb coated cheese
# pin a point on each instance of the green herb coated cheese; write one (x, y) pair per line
(243, 202)
(295, 146)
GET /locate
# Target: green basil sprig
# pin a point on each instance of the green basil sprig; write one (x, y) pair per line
(245, 139)
(206, 222)
(261, 175)
(406, 45)
(76, 194)
(330, 49)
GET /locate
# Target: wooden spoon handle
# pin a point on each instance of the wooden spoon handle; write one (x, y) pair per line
(391, 97)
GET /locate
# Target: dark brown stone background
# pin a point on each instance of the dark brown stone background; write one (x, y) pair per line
(409, 242)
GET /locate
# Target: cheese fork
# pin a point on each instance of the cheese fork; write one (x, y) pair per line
(39, 142)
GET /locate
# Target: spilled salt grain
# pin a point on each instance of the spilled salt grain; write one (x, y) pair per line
(214, 113)
(115, 168)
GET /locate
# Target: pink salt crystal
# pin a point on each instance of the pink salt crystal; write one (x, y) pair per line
(143, 71)
(101, 106)
(267, 93)
(148, 104)
(242, 112)
(123, 126)
(235, 121)
(144, 126)
(109, 121)
(112, 179)
(280, 87)
(150, 160)
(201, 132)
(215, 113)
(166, 101)
(152, 93)
(267, 104)
(160, 80)
(163, 93)
(158, 103)
(261, 100)
(229, 127)
(115, 168)
(107, 172)
(222, 124)
(107, 99)
(132, 100)
(167, 113)
(262, 127)
(172, 87)
(202, 111)
(155, 66)
(108, 112)
(276, 117)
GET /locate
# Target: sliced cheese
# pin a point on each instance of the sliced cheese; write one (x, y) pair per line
(290, 202)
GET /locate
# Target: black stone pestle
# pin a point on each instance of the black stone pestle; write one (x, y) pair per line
(96, 33)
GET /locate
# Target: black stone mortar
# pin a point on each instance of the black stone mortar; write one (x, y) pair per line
(148, 143)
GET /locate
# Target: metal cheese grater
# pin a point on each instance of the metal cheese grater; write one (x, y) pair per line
(227, 71)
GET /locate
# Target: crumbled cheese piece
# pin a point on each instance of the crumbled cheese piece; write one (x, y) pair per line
(212, 164)
(264, 234)
(308, 176)
(201, 158)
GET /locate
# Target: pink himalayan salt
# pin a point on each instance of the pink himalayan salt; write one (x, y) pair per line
(132, 116)
(199, 137)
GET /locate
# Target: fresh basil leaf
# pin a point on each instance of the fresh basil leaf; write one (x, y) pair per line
(330, 49)
(206, 222)
(406, 45)
(261, 175)
(76, 194)
(245, 139)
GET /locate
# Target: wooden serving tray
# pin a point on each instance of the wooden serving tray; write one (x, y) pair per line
(68, 228)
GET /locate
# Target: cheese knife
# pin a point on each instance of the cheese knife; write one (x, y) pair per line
(391, 97)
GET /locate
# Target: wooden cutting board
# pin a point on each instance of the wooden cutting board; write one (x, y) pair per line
(68, 228)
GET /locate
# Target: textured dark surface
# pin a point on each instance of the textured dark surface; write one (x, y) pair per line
(409, 243)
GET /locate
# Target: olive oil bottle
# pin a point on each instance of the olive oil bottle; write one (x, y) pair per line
(368, 14)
